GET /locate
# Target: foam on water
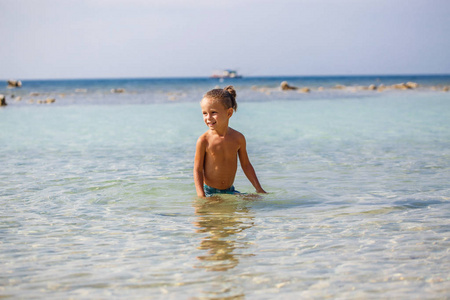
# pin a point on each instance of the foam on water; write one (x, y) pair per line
(98, 201)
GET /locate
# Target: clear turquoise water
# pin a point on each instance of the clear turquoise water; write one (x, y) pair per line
(98, 201)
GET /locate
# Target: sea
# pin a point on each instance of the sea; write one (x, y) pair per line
(98, 201)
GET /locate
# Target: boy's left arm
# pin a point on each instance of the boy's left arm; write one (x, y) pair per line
(247, 167)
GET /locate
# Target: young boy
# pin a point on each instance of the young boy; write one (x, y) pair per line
(218, 148)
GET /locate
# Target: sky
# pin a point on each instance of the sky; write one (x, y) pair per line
(64, 39)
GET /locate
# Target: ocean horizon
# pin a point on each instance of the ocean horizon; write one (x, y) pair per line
(162, 90)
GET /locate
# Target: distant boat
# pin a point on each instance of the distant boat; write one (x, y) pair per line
(226, 74)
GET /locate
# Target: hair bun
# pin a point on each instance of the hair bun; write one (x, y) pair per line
(230, 89)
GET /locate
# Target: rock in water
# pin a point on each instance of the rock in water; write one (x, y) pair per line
(3, 100)
(14, 83)
(285, 86)
(401, 86)
(412, 85)
(305, 90)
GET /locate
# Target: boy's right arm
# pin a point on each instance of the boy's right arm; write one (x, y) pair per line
(200, 151)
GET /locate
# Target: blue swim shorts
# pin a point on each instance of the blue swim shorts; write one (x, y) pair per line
(209, 191)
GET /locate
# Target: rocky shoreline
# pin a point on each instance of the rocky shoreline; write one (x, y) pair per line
(285, 86)
(175, 95)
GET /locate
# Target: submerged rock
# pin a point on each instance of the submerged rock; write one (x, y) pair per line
(304, 90)
(117, 91)
(371, 87)
(172, 96)
(3, 100)
(46, 101)
(381, 88)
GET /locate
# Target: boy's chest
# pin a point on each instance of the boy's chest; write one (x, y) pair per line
(223, 148)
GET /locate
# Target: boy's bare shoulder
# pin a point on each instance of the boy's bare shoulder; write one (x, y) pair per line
(203, 138)
(236, 134)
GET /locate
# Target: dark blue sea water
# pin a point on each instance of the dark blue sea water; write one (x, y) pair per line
(98, 201)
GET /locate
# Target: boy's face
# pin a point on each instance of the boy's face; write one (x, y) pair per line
(215, 115)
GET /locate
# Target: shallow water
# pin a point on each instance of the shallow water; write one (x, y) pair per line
(98, 201)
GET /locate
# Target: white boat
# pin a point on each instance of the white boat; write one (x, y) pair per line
(226, 74)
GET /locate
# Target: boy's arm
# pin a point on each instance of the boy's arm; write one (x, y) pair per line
(248, 168)
(199, 160)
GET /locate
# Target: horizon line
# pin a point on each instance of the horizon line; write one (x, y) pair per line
(243, 76)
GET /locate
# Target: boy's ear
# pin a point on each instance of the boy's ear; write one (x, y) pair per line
(230, 112)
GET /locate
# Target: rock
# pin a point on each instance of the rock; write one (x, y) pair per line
(18, 98)
(50, 100)
(285, 86)
(400, 86)
(31, 101)
(446, 89)
(3, 100)
(34, 94)
(172, 96)
(117, 91)
(14, 83)
(381, 88)
(339, 86)
(304, 90)
(371, 87)
(320, 89)
(411, 85)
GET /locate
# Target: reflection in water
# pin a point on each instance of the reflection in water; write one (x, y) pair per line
(224, 218)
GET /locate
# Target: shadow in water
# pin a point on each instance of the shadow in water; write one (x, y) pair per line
(224, 219)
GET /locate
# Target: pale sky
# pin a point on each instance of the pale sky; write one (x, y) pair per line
(53, 39)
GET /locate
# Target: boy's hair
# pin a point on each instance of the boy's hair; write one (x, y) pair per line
(226, 96)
